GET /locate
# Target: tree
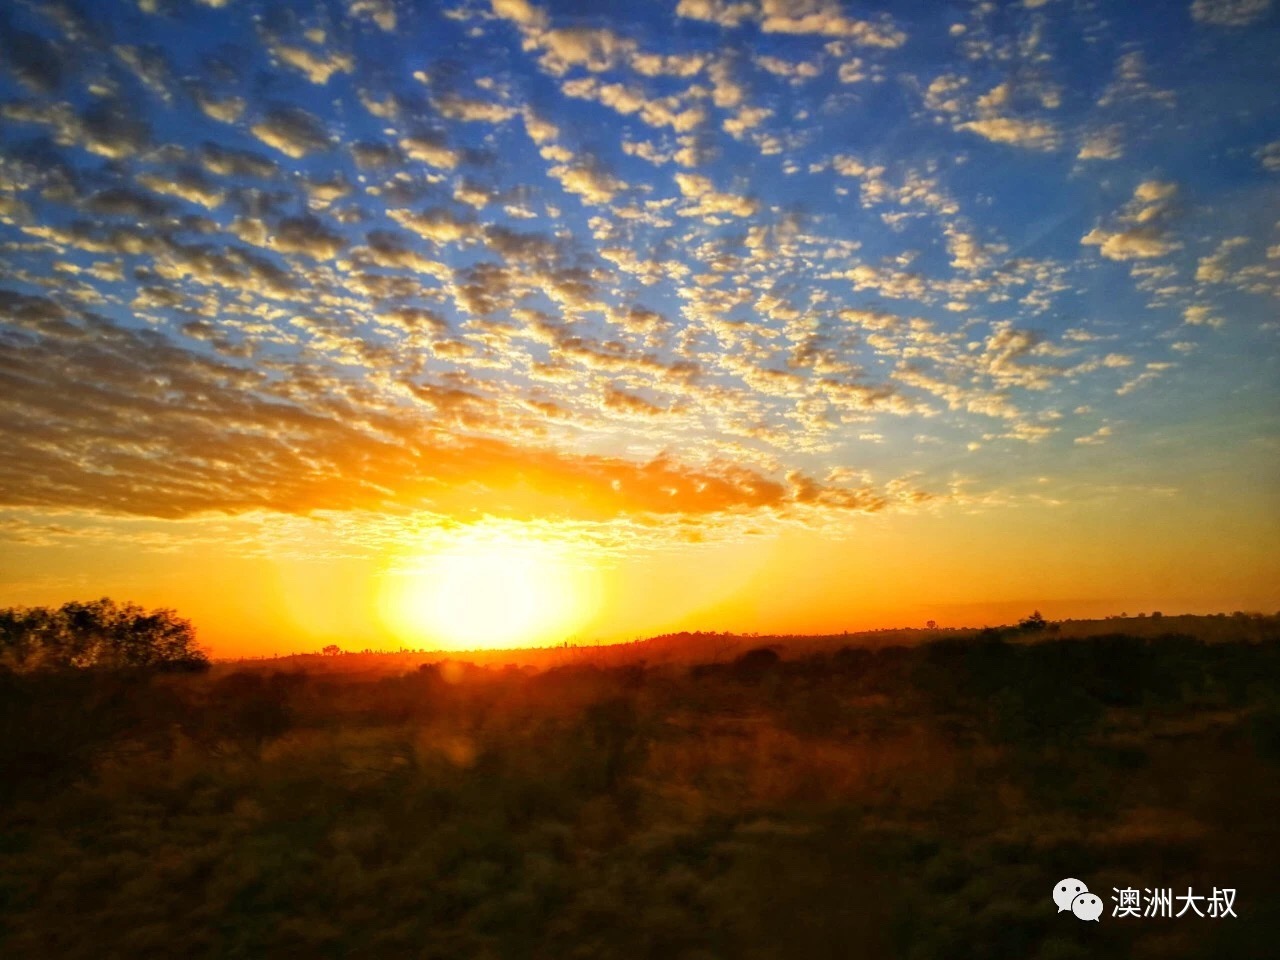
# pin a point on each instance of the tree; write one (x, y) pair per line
(97, 633)
(332, 650)
(1034, 623)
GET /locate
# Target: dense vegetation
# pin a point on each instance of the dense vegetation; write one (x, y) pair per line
(913, 802)
(97, 634)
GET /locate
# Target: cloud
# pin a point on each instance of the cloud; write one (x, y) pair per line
(1215, 268)
(1098, 436)
(380, 12)
(1143, 226)
(1130, 244)
(946, 93)
(628, 404)
(387, 249)
(1004, 354)
(107, 128)
(438, 225)
(726, 13)
(1229, 13)
(592, 184)
(991, 115)
(229, 162)
(31, 58)
(748, 118)
(657, 112)
(540, 130)
(824, 18)
(796, 71)
(819, 18)
(473, 110)
(707, 201)
(968, 253)
(186, 184)
(1034, 134)
(520, 12)
(318, 66)
(227, 109)
(431, 149)
(1150, 193)
(308, 236)
(123, 202)
(667, 64)
(127, 422)
(292, 131)
(1201, 315)
(1269, 156)
(1102, 145)
(1130, 87)
(592, 48)
(151, 68)
(375, 156)
(596, 49)
(1152, 372)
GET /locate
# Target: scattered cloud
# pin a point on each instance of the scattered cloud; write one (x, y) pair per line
(1269, 156)
(1229, 13)
(1102, 145)
(291, 130)
(1141, 230)
(568, 247)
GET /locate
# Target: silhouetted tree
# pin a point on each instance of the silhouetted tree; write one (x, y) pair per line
(1034, 623)
(332, 650)
(99, 633)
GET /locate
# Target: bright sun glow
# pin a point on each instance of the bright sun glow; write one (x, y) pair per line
(487, 590)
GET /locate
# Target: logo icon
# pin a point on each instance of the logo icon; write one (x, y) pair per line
(1066, 891)
(1087, 906)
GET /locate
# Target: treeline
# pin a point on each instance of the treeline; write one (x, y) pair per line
(97, 634)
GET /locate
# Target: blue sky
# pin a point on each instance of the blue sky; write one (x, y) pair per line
(689, 260)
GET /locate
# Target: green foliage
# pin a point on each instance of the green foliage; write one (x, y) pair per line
(99, 633)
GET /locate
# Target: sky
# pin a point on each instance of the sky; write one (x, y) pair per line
(494, 323)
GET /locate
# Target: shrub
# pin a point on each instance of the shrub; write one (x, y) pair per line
(99, 633)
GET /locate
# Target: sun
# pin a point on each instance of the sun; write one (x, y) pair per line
(489, 590)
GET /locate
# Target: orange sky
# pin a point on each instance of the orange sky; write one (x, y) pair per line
(282, 584)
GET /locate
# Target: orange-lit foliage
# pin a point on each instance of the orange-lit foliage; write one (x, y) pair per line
(910, 801)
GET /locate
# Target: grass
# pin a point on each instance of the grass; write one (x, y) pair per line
(915, 802)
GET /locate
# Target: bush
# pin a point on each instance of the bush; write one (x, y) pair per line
(754, 664)
(100, 633)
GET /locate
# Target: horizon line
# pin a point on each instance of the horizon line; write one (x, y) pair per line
(728, 634)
